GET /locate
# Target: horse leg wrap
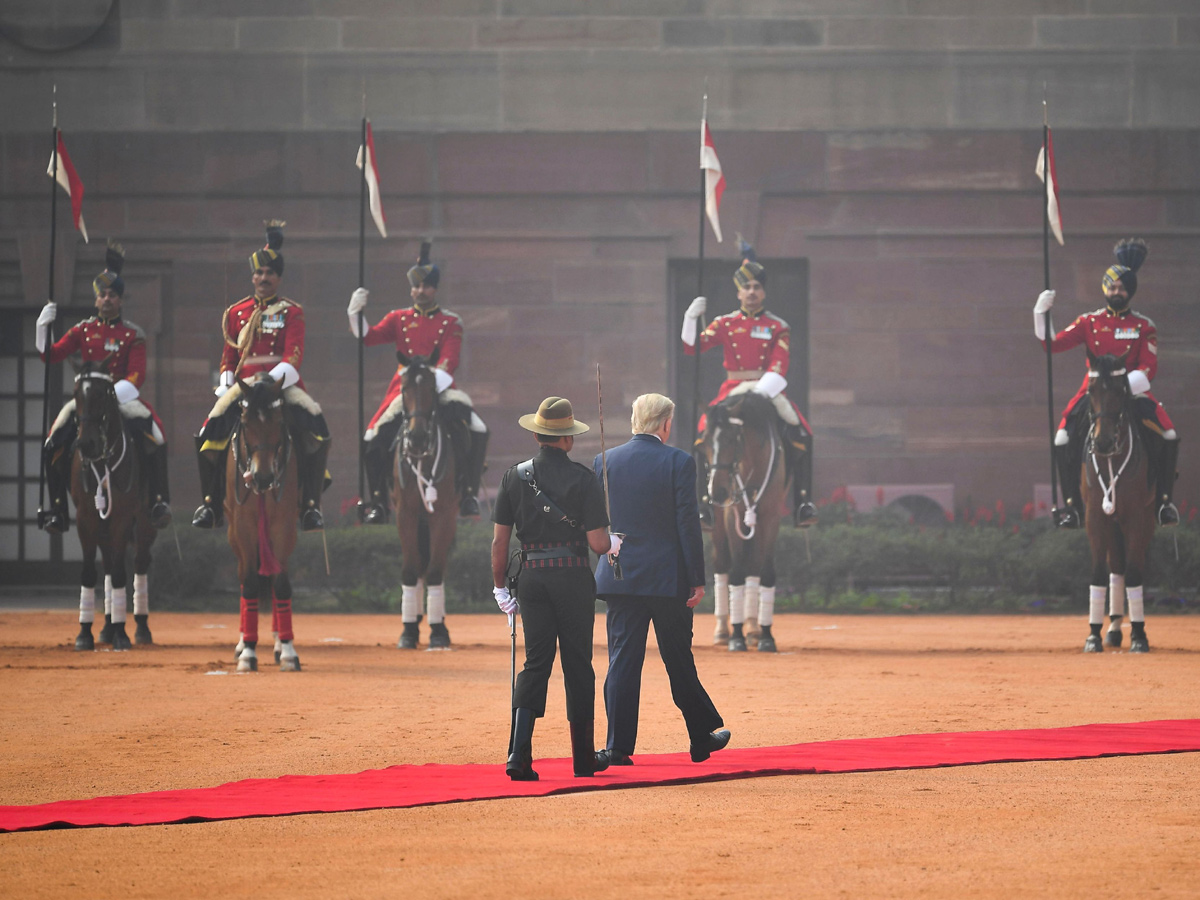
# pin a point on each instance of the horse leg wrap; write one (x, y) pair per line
(410, 603)
(282, 618)
(766, 606)
(120, 604)
(721, 594)
(87, 605)
(435, 603)
(250, 620)
(141, 595)
(1137, 609)
(1096, 604)
(737, 604)
(108, 594)
(750, 603)
(1116, 595)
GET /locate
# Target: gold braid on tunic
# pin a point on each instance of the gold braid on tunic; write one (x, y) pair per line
(251, 330)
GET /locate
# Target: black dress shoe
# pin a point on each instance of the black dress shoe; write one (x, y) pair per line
(56, 523)
(613, 758)
(205, 517)
(709, 744)
(374, 514)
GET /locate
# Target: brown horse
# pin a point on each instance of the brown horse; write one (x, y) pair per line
(261, 498)
(425, 496)
(1117, 484)
(748, 483)
(112, 507)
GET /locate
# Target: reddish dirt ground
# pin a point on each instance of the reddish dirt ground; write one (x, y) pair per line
(88, 724)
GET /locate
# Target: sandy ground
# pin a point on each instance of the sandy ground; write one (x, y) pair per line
(88, 724)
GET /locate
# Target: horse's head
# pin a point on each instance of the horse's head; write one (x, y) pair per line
(97, 410)
(1109, 399)
(264, 432)
(418, 393)
(725, 441)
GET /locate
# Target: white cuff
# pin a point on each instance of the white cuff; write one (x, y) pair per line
(1039, 326)
(126, 391)
(39, 337)
(771, 384)
(286, 373)
(354, 320)
(1138, 382)
(442, 379)
(690, 327)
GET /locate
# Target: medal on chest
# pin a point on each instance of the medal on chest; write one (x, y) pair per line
(761, 332)
(1127, 334)
(272, 323)
(112, 345)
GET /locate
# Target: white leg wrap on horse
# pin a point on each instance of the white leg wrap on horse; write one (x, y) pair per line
(1096, 604)
(1137, 610)
(766, 605)
(737, 604)
(141, 595)
(1116, 595)
(87, 605)
(721, 594)
(108, 595)
(435, 603)
(410, 603)
(752, 596)
(120, 604)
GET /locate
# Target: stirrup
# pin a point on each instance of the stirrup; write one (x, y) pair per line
(805, 515)
(206, 517)
(1168, 515)
(160, 515)
(468, 507)
(312, 520)
(372, 514)
(58, 523)
(1065, 517)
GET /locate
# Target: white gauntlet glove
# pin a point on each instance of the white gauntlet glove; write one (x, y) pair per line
(504, 600)
(614, 547)
(225, 382)
(286, 373)
(691, 318)
(358, 302)
(1044, 303)
(48, 314)
(770, 385)
(1138, 382)
(126, 391)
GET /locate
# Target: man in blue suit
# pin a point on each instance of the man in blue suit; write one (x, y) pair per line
(653, 498)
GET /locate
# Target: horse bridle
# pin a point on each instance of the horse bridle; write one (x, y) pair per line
(750, 518)
(106, 449)
(104, 482)
(1120, 418)
(282, 447)
(432, 451)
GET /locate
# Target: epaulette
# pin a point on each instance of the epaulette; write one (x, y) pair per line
(137, 329)
(779, 319)
(1145, 318)
(452, 314)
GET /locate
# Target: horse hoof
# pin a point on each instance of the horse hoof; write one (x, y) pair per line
(84, 640)
(439, 637)
(721, 632)
(766, 645)
(737, 644)
(247, 661)
(142, 635)
(1093, 644)
(1113, 639)
(238, 648)
(278, 650)
(106, 633)
(120, 639)
(1139, 645)
(408, 638)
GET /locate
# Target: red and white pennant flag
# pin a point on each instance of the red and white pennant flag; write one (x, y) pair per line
(1052, 194)
(64, 173)
(372, 176)
(714, 181)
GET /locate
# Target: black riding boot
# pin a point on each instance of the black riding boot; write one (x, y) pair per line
(584, 758)
(702, 498)
(210, 513)
(520, 758)
(800, 446)
(1168, 515)
(376, 461)
(1070, 514)
(56, 519)
(468, 507)
(160, 491)
(312, 483)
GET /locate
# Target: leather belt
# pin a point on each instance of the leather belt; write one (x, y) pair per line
(743, 374)
(554, 556)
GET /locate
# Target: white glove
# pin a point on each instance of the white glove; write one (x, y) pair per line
(1045, 301)
(358, 301)
(691, 318)
(126, 391)
(770, 385)
(48, 314)
(696, 309)
(614, 547)
(223, 383)
(1138, 382)
(504, 600)
(286, 373)
(442, 379)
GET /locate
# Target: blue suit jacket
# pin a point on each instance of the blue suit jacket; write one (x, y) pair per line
(653, 497)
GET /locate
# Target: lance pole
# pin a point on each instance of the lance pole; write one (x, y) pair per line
(699, 275)
(43, 515)
(362, 277)
(1046, 286)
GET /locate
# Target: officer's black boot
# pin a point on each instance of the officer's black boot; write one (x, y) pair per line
(520, 759)
(312, 483)
(376, 461)
(468, 507)
(210, 513)
(1070, 514)
(702, 498)
(56, 519)
(160, 491)
(584, 758)
(800, 445)
(1168, 515)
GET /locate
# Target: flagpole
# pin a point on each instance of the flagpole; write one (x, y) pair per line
(699, 276)
(1046, 286)
(362, 277)
(42, 514)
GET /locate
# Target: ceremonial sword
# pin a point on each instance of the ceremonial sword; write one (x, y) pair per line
(613, 558)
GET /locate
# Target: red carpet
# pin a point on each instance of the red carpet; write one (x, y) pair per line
(405, 786)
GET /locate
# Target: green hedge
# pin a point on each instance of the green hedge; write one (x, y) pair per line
(876, 562)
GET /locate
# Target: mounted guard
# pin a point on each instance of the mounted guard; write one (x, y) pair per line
(106, 336)
(424, 330)
(1118, 330)
(264, 333)
(756, 347)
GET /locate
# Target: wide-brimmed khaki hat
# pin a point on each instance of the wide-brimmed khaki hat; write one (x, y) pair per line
(554, 418)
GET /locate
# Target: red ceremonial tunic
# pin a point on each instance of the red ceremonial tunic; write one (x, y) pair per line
(436, 334)
(1104, 331)
(98, 339)
(753, 345)
(279, 337)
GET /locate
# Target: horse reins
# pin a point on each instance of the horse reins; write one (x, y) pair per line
(104, 486)
(750, 517)
(426, 484)
(1109, 491)
(278, 471)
